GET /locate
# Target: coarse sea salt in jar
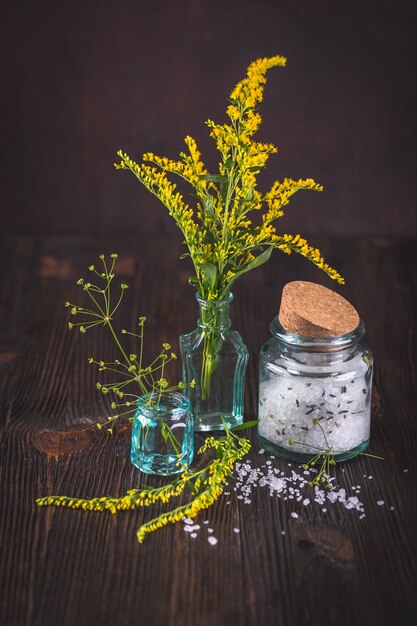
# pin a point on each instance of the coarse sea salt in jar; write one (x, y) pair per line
(315, 377)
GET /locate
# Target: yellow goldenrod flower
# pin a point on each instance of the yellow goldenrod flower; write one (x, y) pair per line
(207, 485)
(219, 230)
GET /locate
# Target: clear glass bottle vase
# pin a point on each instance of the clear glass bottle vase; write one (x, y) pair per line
(215, 357)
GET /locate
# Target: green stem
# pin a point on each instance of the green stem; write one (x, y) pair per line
(211, 352)
(160, 388)
(118, 342)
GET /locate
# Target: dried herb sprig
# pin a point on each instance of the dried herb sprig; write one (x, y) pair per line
(204, 485)
(130, 371)
(325, 457)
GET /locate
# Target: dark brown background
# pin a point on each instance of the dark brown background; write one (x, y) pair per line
(81, 79)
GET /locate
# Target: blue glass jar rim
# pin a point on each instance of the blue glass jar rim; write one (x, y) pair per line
(218, 301)
(317, 344)
(178, 404)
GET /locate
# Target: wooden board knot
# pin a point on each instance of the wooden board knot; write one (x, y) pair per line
(60, 443)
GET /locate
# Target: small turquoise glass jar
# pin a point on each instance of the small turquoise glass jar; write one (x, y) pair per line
(163, 434)
(215, 358)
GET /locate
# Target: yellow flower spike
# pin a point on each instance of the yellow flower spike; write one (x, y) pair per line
(233, 112)
(249, 92)
(301, 246)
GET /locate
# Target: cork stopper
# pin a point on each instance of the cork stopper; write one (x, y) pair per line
(311, 310)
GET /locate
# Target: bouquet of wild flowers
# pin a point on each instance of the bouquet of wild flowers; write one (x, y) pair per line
(222, 240)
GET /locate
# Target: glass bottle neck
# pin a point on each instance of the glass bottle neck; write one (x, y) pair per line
(214, 314)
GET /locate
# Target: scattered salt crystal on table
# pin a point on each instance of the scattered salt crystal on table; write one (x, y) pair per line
(406, 470)
(280, 485)
(261, 451)
(189, 529)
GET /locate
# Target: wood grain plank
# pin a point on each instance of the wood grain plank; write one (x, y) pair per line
(80, 568)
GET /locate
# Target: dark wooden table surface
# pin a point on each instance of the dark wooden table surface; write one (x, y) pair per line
(78, 569)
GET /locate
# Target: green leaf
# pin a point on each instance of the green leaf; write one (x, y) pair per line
(209, 271)
(209, 237)
(192, 487)
(219, 453)
(208, 206)
(184, 255)
(245, 425)
(217, 343)
(223, 189)
(249, 196)
(193, 280)
(256, 262)
(214, 178)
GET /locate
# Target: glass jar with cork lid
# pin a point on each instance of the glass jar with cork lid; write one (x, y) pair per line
(315, 378)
